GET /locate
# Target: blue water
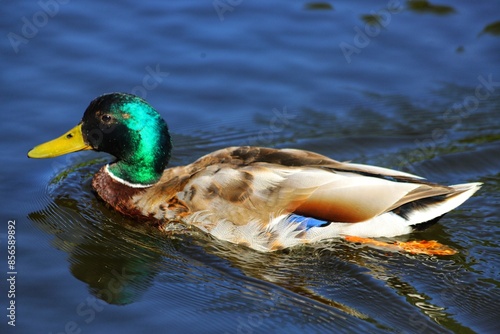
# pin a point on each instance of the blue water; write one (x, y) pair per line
(390, 83)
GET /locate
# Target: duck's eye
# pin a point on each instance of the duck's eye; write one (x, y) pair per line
(106, 118)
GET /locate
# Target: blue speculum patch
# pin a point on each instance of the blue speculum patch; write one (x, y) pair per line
(308, 221)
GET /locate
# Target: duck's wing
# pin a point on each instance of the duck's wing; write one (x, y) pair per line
(259, 182)
(342, 196)
(242, 184)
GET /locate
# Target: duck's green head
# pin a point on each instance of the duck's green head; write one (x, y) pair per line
(125, 126)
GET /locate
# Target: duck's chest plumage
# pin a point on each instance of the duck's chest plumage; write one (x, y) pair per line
(155, 203)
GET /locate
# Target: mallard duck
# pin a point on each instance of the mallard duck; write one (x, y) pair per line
(264, 198)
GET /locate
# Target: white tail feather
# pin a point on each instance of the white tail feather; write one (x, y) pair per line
(435, 210)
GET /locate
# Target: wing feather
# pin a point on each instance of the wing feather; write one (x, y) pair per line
(240, 184)
(346, 197)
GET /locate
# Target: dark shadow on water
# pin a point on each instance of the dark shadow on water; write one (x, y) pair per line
(492, 29)
(318, 6)
(424, 6)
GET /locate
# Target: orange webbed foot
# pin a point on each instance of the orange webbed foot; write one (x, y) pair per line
(428, 247)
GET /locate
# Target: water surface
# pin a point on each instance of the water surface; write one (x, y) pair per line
(406, 85)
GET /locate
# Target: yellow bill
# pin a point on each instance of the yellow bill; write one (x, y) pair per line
(71, 141)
